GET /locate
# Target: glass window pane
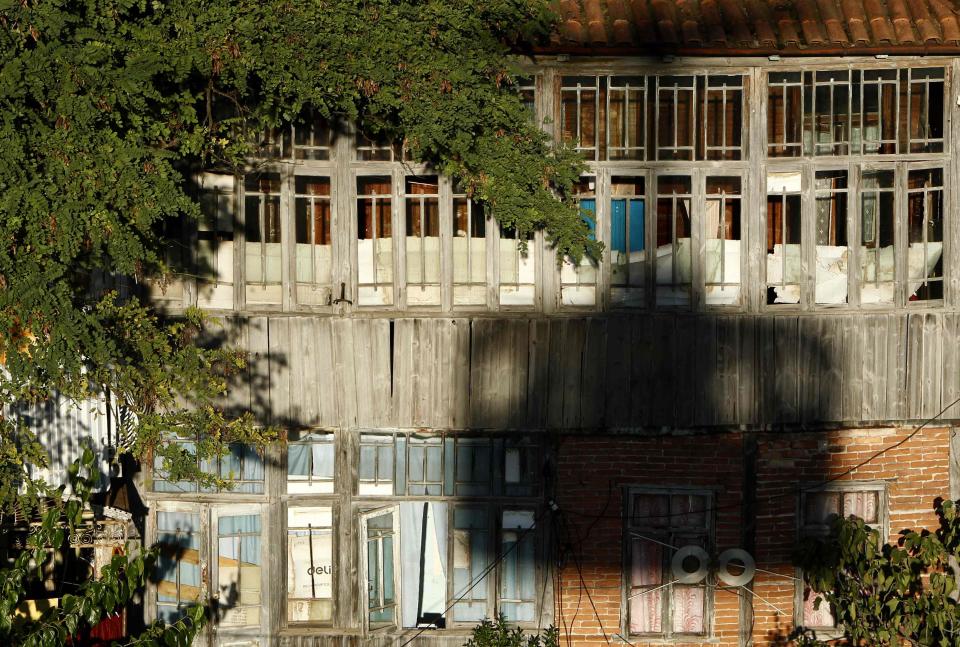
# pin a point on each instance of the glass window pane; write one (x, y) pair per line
(374, 241)
(877, 245)
(832, 251)
(784, 260)
(925, 234)
(423, 240)
(673, 264)
(722, 224)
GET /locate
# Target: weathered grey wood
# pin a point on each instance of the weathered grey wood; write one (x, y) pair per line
(932, 366)
(782, 357)
(808, 374)
(592, 398)
(950, 365)
(343, 342)
(745, 358)
(260, 369)
(662, 369)
(830, 355)
(708, 391)
(915, 365)
(574, 338)
(727, 345)
(642, 369)
(617, 373)
(538, 372)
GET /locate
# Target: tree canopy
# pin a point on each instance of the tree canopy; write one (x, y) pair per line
(106, 105)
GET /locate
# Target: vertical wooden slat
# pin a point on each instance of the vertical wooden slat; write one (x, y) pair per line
(809, 373)
(592, 398)
(914, 366)
(344, 371)
(575, 332)
(617, 372)
(950, 376)
(538, 372)
(662, 367)
(787, 356)
(829, 350)
(641, 392)
(707, 392)
(747, 359)
(260, 369)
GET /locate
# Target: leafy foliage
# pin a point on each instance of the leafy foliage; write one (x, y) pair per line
(106, 105)
(883, 594)
(497, 633)
(94, 599)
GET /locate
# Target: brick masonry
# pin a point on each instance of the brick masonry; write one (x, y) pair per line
(593, 472)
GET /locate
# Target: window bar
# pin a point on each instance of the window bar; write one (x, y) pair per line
(676, 115)
(723, 237)
(673, 239)
(374, 228)
(783, 236)
(656, 117)
(263, 232)
(423, 244)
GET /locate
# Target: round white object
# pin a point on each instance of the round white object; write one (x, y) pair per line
(684, 576)
(735, 555)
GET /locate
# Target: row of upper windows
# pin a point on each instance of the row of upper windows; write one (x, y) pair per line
(417, 556)
(388, 464)
(837, 236)
(701, 117)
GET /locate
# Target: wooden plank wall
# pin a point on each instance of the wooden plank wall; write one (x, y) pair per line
(611, 372)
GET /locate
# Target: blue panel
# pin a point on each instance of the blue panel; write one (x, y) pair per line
(636, 225)
(588, 210)
(618, 226)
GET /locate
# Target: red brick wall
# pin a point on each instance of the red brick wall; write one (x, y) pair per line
(592, 472)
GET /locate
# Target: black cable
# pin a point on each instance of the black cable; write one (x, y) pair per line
(583, 585)
(486, 571)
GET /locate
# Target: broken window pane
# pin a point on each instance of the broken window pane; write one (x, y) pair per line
(877, 255)
(422, 200)
(722, 223)
(310, 463)
(380, 571)
(626, 117)
(314, 246)
(926, 110)
(628, 254)
(474, 467)
(722, 125)
(518, 270)
(215, 241)
(262, 248)
(831, 112)
(374, 241)
(310, 564)
(469, 251)
(425, 466)
(423, 529)
(673, 269)
(925, 234)
(518, 567)
(784, 266)
(579, 110)
(832, 257)
(578, 282)
(675, 117)
(177, 572)
(878, 120)
(471, 556)
(376, 465)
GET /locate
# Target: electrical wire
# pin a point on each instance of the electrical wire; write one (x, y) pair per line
(486, 571)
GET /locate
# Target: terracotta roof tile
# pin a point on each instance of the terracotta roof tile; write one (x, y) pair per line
(856, 21)
(757, 26)
(948, 20)
(619, 22)
(716, 35)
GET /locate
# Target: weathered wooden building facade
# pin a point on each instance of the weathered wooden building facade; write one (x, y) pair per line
(472, 430)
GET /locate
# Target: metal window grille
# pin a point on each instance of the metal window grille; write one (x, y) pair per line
(313, 228)
(579, 113)
(723, 117)
(674, 197)
(925, 234)
(674, 117)
(422, 200)
(724, 195)
(626, 117)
